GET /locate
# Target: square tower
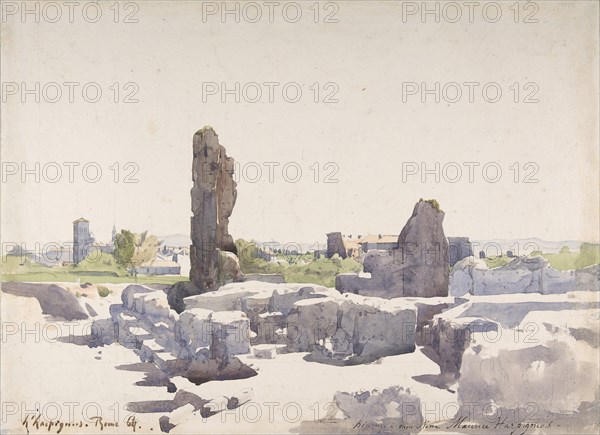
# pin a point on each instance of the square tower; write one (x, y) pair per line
(82, 239)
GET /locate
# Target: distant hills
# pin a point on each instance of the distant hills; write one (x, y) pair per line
(182, 240)
(524, 246)
(178, 240)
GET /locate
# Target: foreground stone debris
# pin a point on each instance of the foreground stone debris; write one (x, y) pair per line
(540, 359)
(482, 344)
(197, 344)
(337, 329)
(201, 342)
(512, 355)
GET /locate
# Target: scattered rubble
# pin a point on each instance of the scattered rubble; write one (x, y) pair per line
(521, 275)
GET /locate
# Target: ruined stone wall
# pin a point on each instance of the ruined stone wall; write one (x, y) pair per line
(458, 248)
(521, 275)
(335, 245)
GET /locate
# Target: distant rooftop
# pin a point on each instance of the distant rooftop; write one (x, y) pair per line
(160, 263)
(384, 238)
(80, 220)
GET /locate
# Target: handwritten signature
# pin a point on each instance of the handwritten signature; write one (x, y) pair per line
(499, 426)
(36, 422)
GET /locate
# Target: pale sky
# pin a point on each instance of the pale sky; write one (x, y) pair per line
(368, 137)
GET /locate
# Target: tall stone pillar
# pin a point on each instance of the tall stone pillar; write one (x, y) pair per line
(424, 252)
(213, 198)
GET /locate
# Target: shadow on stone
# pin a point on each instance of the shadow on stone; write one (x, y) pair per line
(54, 300)
(178, 292)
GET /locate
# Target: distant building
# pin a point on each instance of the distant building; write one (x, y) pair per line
(82, 240)
(353, 249)
(167, 251)
(319, 253)
(107, 248)
(114, 234)
(159, 266)
(261, 253)
(378, 242)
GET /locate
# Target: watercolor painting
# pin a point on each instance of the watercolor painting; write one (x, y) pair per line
(328, 217)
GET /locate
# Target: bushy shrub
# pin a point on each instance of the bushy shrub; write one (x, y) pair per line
(103, 291)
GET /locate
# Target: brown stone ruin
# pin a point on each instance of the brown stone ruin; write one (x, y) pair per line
(213, 257)
(213, 198)
(335, 245)
(418, 267)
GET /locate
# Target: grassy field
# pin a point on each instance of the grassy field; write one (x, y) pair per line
(102, 268)
(321, 271)
(589, 254)
(295, 268)
(96, 269)
(493, 262)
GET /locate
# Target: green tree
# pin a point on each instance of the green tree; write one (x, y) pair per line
(132, 249)
(124, 247)
(564, 250)
(146, 247)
